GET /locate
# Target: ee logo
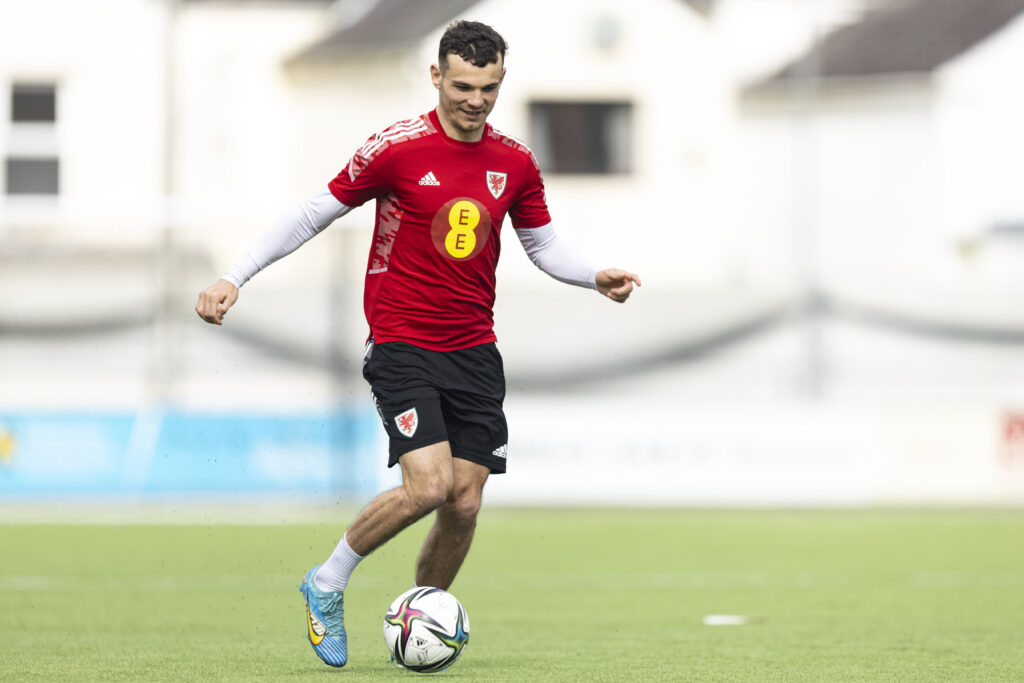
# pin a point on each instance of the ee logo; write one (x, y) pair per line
(463, 218)
(460, 229)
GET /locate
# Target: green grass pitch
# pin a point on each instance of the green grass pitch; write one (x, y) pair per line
(553, 595)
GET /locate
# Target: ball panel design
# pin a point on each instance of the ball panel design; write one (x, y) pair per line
(426, 629)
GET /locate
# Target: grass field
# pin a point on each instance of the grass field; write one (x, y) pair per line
(553, 595)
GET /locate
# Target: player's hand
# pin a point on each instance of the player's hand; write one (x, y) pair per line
(215, 300)
(616, 284)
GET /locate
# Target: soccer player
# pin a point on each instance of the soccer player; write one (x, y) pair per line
(443, 183)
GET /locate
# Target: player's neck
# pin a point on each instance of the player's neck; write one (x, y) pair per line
(456, 133)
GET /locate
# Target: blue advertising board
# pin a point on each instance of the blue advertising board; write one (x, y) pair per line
(180, 452)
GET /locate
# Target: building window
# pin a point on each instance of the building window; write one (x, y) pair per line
(33, 103)
(32, 166)
(32, 176)
(582, 137)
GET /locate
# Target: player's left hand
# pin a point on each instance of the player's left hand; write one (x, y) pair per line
(616, 284)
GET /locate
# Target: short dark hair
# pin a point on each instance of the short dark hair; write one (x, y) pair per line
(477, 43)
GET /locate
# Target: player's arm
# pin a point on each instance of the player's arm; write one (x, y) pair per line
(303, 223)
(561, 261)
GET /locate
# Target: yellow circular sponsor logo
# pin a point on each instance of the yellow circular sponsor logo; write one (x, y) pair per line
(463, 219)
(460, 228)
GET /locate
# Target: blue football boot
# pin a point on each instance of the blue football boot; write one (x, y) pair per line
(325, 611)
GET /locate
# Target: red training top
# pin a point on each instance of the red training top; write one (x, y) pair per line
(440, 205)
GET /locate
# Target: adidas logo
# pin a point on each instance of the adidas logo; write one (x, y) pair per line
(501, 451)
(429, 179)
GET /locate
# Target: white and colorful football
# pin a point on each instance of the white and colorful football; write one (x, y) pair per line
(426, 629)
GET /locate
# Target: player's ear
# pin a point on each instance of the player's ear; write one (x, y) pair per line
(435, 75)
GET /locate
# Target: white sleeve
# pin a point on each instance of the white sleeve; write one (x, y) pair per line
(557, 258)
(297, 227)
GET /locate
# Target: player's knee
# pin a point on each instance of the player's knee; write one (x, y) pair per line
(431, 495)
(463, 508)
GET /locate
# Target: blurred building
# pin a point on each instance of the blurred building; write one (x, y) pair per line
(903, 159)
(158, 146)
(819, 194)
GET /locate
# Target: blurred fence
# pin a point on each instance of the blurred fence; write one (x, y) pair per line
(109, 384)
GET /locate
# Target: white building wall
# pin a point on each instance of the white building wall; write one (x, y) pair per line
(237, 120)
(111, 114)
(834, 181)
(980, 143)
(341, 103)
(873, 211)
(895, 183)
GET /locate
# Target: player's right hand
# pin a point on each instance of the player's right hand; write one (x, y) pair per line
(215, 300)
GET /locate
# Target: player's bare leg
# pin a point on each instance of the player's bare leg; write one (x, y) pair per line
(427, 482)
(448, 541)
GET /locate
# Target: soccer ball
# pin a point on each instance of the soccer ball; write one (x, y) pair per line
(426, 629)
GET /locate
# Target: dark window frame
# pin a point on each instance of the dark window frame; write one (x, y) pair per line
(32, 172)
(33, 103)
(583, 137)
(32, 176)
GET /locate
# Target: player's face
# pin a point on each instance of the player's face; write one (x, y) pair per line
(467, 96)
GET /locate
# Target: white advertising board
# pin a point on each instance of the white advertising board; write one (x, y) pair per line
(628, 452)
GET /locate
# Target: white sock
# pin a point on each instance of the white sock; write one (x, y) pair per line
(334, 574)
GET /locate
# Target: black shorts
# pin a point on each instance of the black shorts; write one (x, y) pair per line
(425, 397)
